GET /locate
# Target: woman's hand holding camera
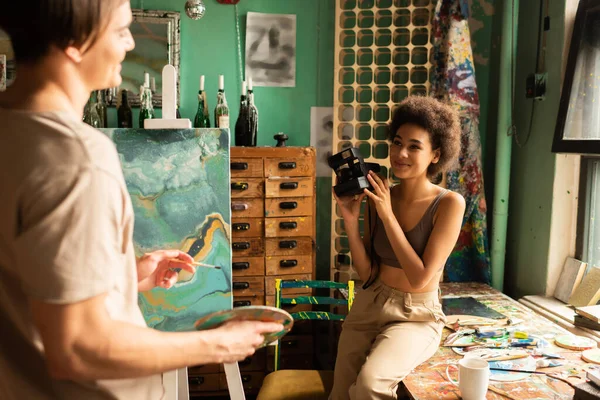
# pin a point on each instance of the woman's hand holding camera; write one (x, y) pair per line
(380, 196)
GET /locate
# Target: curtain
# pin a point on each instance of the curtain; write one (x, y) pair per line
(453, 81)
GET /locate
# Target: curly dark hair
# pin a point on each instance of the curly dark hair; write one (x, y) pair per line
(439, 119)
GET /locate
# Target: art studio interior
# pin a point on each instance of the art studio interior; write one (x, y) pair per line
(410, 188)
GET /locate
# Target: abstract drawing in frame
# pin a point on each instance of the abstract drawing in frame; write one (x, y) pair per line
(178, 181)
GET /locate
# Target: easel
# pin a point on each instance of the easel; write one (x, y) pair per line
(176, 382)
(177, 388)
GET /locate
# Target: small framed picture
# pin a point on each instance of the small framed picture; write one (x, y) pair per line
(2, 72)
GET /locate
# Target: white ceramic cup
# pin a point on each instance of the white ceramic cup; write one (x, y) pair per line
(473, 378)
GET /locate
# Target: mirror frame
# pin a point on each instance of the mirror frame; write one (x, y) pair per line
(173, 21)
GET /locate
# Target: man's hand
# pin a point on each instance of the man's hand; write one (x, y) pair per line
(237, 340)
(159, 268)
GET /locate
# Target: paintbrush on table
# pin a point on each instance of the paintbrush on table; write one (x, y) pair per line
(195, 263)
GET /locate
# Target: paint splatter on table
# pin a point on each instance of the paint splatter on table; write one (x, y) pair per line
(428, 381)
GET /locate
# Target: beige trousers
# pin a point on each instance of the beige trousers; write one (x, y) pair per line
(385, 336)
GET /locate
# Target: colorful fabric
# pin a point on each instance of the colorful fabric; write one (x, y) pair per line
(454, 81)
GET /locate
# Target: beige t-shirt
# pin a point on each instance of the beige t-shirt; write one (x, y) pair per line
(66, 226)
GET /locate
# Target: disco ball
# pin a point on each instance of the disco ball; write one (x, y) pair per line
(195, 9)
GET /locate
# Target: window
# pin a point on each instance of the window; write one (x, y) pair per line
(588, 226)
(578, 121)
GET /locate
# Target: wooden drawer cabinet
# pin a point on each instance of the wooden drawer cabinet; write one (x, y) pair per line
(273, 233)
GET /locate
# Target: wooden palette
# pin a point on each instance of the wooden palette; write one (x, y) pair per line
(591, 356)
(577, 343)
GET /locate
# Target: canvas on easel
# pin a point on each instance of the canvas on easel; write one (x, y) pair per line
(570, 278)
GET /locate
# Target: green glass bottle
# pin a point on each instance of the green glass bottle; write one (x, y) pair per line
(202, 120)
(146, 108)
(124, 113)
(90, 112)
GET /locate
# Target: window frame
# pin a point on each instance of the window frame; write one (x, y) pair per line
(559, 144)
(586, 188)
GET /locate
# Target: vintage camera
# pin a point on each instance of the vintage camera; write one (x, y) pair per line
(351, 171)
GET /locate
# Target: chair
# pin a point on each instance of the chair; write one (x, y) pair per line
(304, 384)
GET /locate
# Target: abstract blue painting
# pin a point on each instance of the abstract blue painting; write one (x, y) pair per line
(179, 185)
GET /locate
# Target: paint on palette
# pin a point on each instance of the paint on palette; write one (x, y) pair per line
(178, 181)
(521, 364)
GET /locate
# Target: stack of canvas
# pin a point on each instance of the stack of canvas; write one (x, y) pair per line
(578, 285)
(588, 317)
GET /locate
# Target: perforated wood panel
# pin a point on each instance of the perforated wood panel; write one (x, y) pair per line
(383, 54)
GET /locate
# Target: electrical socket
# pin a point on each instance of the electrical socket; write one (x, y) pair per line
(535, 86)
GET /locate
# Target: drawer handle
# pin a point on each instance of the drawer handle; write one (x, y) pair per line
(196, 380)
(239, 206)
(287, 165)
(288, 185)
(288, 263)
(288, 225)
(242, 303)
(239, 166)
(241, 226)
(291, 343)
(288, 244)
(246, 378)
(240, 245)
(288, 205)
(241, 285)
(240, 265)
(239, 186)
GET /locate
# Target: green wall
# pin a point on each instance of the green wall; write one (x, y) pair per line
(532, 166)
(209, 48)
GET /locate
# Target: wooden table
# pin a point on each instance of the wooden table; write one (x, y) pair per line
(429, 381)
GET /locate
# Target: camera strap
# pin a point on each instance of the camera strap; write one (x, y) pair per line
(374, 273)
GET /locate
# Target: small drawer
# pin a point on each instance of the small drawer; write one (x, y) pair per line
(252, 381)
(290, 166)
(248, 247)
(248, 266)
(247, 227)
(246, 301)
(288, 265)
(248, 286)
(288, 246)
(289, 226)
(296, 344)
(270, 284)
(246, 167)
(245, 188)
(204, 369)
(256, 362)
(248, 207)
(289, 206)
(289, 187)
(293, 361)
(205, 382)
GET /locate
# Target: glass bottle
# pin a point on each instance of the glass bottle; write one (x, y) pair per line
(124, 112)
(202, 120)
(252, 115)
(101, 108)
(242, 125)
(90, 113)
(221, 110)
(146, 108)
